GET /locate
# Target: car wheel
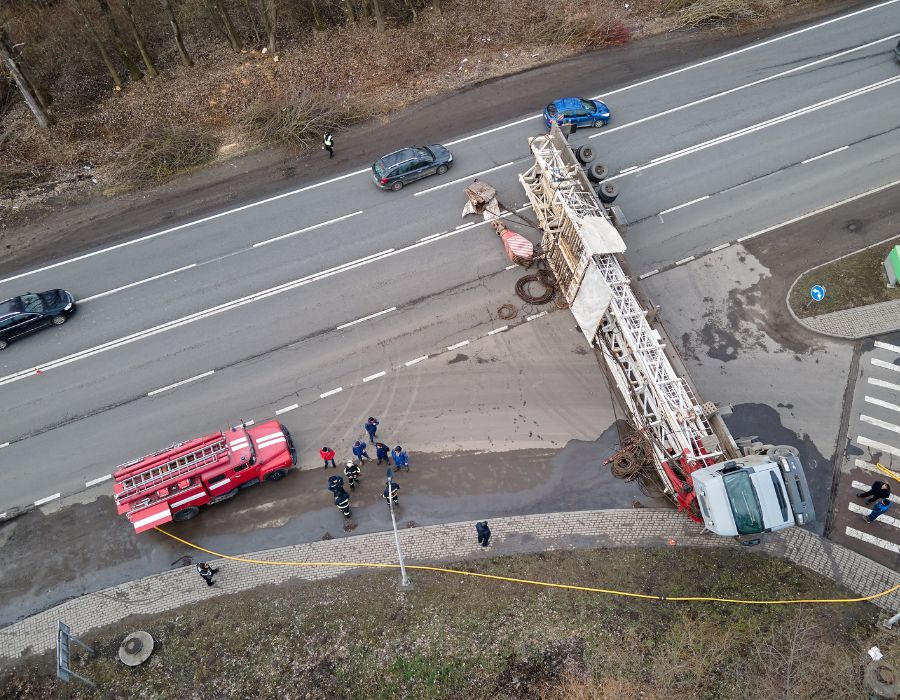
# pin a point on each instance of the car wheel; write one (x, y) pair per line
(397, 186)
(58, 320)
(598, 172)
(442, 169)
(3, 344)
(598, 123)
(607, 192)
(584, 154)
(185, 514)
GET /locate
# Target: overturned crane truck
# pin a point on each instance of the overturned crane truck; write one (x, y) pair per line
(172, 484)
(735, 488)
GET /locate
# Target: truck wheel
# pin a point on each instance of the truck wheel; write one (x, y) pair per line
(584, 154)
(607, 192)
(225, 496)
(58, 320)
(597, 172)
(277, 475)
(185, 514)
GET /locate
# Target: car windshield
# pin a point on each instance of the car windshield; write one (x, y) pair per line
(32, 303)
(588, 105)
(425, 153)
(744, 503)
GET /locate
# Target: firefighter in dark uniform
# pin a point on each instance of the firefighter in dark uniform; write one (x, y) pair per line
(351, 471)
(335, 484)
(342, 501)
(390, 493)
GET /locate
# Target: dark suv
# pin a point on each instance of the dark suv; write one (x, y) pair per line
(407, 165)
(32, 311)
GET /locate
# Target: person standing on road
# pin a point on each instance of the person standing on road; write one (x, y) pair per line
(327, 454)
(382, 451)
(342, 501)
(206, 572)
(328, 143)
(401, 459)
(359, 451)
(371, 428)
(878, 490)
(351, 471)
(335, 483)
(484, 533)
(879, 509)
(390, 493)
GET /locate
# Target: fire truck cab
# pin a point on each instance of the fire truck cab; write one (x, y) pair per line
(173, 483)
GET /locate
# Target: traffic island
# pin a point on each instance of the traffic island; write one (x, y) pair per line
(854, 296)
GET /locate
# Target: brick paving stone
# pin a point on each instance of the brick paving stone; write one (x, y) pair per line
(435, 544)
(859, 322)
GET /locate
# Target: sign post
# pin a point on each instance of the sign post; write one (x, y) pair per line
(817, 293)
(64, 638)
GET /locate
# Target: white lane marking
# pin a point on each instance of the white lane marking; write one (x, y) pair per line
(821, 210)
(682, 206)
(458, 345)
(98, 480)
(135, 284)
(723, 246)
(416, 361)
(377, 375)
(47, 499)
(867, 466)
(5, 444)
(510, 267)
(498, 330)
(686, 260)
(883, 384)
(308, 228)
(753, 128)
(534, 316)
(860, 486)
(883, 404)
(495, 129)
(871, 539)
(331, 393)
(880, 446)
(648, 274)
(463, 179)
(885, 365)
(887, 346)
(435, 235)
(745, 86)
(824, 155)
(181, 383)
(366, 318)
(883, 519)
(188, 224)
(880, 423)
(292, 407)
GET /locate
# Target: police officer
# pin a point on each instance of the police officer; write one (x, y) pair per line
(335, 484)
(351, 471)
(342, 501)
(390, 493)
(328, 143)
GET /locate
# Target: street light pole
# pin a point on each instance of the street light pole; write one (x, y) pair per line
(404, 579)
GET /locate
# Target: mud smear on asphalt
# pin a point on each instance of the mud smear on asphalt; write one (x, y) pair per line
(49, 558)
(749, 419)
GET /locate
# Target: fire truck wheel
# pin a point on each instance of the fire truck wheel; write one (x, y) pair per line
(185, 514)
(597, 172)
(607, 192)
(584, 154)
(277, 475)
(58, 320)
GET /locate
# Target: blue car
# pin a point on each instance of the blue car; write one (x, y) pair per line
(576, 110)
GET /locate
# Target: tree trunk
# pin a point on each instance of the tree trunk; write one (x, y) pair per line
(98, 43)
(34, 104)
(133, 71)
(176, 31)
(437, 5)
(139, 40)
(269, 13)
(228, 25)
(317, 17)
(349, 10)
(43, 97)
(378, 11)
(252, 20)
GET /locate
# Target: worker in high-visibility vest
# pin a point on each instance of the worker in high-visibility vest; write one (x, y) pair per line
(351, 471)
(328, 143)
(390, 493)
(342, 501)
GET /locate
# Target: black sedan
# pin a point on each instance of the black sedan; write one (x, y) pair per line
(30, 312)
(393, 171)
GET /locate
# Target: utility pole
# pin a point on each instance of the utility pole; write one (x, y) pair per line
(404, 579)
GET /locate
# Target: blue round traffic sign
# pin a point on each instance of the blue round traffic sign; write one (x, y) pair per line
(817, 292)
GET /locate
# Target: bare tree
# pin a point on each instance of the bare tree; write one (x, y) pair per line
(29, 94)
(98, 43)
(378, 11)
(133, 71)
(176, 31)
(318, 22)
(139, 40)
(220, 12)
(252, 21)
(349, 10)
(269, 12)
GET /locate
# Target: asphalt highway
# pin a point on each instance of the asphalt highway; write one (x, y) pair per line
(279, 302)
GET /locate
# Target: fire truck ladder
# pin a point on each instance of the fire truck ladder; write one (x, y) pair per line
(180, 466)
(660, 403)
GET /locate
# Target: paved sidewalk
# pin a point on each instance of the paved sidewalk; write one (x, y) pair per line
(859, 322)
(535, 533)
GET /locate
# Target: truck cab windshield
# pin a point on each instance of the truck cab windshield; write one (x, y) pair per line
(744, 503)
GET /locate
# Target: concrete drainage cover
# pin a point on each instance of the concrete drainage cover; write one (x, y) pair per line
(136, 649)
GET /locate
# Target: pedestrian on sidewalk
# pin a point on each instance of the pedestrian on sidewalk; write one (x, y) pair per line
(371, 428)
(342, 501)
(335, 483)
(327, 454)
(351, 471)
(382, 451)
(879, 490)
(206, 572)
(359, 450)
(484, 533)
(390, 493)
(328, 144)
(879, 509)
(401, 459)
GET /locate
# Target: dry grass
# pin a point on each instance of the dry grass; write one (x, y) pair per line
(166, 152)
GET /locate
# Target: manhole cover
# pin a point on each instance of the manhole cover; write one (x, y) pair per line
(136, 649)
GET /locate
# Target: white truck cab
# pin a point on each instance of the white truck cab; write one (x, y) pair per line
(753, 494)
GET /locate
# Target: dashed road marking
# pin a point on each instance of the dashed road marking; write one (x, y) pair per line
(463, 179)
(181, 383)
(5, 444)
(871, 539)
(883, 404)
(307, 228)
(648, 274)
(887, 346)
(534, 316)
(377, 375)
(292, 407)
(867, 466)
(685, 260)
(417, 360)
(883, 384)
(135, 284)
(885, 365)
(880, 423)
(723, 246)
(884, 519)
(47, 499)
(459, 345)
(824, 155)
(882, 447)
(686, 204)
(498, 330)
(366, 318)
(510, 267)
(860, 486)
(331, 393)
(98, 480)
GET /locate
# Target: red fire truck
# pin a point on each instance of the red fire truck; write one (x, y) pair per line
(173, 483)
